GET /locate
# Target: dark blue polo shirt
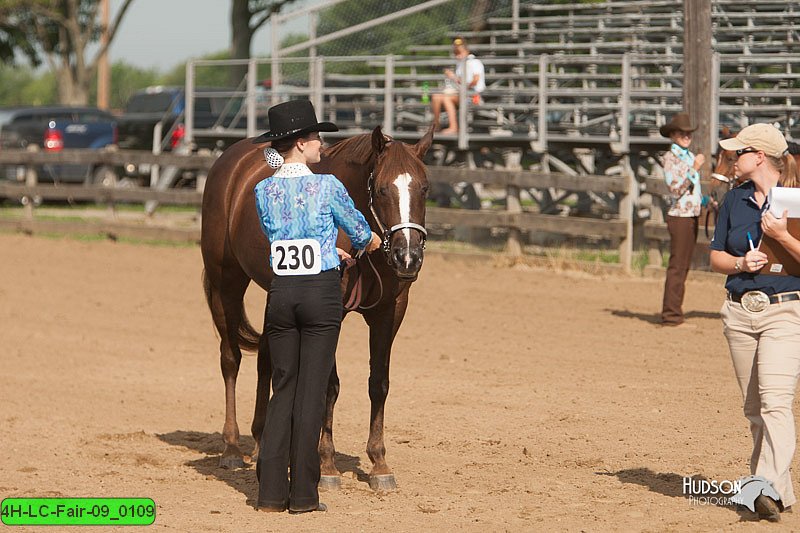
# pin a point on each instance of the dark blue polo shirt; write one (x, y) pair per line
(739, 214)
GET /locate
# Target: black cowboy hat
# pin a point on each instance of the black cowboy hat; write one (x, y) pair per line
(291, 118)
(680, 122)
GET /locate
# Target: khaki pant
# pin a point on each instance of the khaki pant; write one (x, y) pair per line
(765, 349)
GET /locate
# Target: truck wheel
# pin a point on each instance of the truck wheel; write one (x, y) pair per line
(104, 177)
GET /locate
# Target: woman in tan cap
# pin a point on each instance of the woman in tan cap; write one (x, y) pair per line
(680, 172)
(761, 315)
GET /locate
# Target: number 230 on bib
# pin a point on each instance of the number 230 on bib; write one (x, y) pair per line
(296, 257)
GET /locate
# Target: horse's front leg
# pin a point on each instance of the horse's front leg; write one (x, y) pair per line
(330, 477)
(383, 327)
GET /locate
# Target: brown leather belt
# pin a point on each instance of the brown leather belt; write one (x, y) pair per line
(773, 299)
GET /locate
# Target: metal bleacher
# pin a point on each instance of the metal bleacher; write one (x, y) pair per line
(582, 74)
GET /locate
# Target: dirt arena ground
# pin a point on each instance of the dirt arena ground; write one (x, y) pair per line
(521, 400)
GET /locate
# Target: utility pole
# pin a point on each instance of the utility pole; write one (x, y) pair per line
(698, 91)
(103, 72)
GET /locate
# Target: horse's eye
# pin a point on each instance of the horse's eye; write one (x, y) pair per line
(381, 191)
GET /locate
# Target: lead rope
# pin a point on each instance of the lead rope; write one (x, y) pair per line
(354, 302)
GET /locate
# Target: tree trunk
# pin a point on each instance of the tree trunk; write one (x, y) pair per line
(478, 15)
(241, 39)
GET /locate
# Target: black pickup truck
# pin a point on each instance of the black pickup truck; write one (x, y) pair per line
(167, 106)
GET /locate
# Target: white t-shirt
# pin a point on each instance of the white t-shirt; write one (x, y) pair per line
(474, 66)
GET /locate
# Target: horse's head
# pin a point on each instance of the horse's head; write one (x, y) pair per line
(724, 176)
(724, 168)
(398, 188)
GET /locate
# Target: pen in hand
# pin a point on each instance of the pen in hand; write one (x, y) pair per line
(750, 240)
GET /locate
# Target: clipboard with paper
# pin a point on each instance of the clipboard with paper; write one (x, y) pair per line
(779, 261)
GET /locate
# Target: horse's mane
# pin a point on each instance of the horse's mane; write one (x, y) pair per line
(356, 149)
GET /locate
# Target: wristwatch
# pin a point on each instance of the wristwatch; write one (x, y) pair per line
(737, 266)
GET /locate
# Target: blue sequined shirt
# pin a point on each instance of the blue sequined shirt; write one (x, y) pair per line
(295, 203)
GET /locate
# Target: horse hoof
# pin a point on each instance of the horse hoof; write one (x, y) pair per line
(231, 461)
(382, 482)
(330, 482)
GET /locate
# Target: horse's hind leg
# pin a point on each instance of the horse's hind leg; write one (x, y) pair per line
(262, 389)
(226, 308)
(330, 478)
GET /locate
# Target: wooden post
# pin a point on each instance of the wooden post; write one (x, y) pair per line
(31, 180)
(513, 160)
(626, 207)
(698, 68)
(388, 103)
(103, 71)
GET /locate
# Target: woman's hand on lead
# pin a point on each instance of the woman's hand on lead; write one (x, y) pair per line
(775, 227)
(345, 258)
(374, 243)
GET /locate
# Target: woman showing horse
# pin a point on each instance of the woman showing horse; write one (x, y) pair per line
(300, 212)
(761, 316)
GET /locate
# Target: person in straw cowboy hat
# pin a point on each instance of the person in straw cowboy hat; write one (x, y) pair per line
(680, 172)
(300, 212)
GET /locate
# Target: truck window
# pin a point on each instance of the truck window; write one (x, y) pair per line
(91, 117)
(150, 103)
(202, 105)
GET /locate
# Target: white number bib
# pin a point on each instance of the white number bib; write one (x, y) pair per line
(296, 257)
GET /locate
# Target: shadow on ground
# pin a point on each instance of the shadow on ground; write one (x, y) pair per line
(655, 318)
(242, 479)
(671, 484)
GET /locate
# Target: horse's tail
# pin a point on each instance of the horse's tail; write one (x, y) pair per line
(247, 336)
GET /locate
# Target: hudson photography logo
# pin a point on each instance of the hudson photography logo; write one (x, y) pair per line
(710, 491)
(724, 493)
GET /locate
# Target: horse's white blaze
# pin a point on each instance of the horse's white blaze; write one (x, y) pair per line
(403, 184)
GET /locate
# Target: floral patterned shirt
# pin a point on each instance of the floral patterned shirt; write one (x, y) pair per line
(295, 203)
(679, 173)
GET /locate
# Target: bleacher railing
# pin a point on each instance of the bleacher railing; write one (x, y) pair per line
(580, 100)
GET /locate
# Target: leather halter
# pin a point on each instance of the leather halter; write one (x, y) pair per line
(354, 302)
(387, 233)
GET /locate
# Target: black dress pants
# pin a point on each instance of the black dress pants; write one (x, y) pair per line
(304, 317)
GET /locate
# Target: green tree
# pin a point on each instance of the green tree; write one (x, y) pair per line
(426, 27)
(13, 39)
(125, 80)
(247, 16)
(23, 86)
(211, 76)
(61, 31)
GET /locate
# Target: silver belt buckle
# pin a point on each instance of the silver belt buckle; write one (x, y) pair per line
(755, 301)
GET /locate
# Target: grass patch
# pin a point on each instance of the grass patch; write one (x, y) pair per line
(597, 256)
(80, 237)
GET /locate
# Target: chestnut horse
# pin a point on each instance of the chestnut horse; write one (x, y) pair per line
(387, 181)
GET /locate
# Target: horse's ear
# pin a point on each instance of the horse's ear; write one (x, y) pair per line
(378, 140)
(424, 144)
